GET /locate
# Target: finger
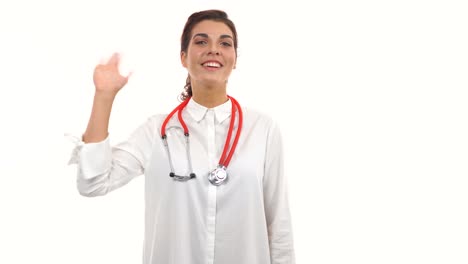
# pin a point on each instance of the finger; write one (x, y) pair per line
(128, 76)
(102, 61)
(114, 59)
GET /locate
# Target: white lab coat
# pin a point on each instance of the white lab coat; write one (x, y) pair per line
(245, 221)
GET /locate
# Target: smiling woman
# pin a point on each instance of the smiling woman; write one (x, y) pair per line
(215, 184)
(210, 59)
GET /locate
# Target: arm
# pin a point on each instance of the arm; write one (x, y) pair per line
(108, 82)
(98, 124)
(275, 191)
(101, 168)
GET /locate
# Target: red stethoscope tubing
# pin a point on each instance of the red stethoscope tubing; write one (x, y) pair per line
(223, 161)
(235, 104)
(181, 120)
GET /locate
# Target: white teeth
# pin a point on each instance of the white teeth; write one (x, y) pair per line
(212, 64)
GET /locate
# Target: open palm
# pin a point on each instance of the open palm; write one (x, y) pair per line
(107, 77)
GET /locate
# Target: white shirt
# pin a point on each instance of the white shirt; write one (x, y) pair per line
(244, 221)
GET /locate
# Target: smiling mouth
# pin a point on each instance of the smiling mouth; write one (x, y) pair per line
(212, 64)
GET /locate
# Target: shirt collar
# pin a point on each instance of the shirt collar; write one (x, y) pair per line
(198, 111)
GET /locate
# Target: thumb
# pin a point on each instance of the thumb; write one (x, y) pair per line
(128, 76)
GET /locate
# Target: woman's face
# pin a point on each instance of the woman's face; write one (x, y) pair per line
(211, 54)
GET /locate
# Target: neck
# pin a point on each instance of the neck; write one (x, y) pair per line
(209, 96)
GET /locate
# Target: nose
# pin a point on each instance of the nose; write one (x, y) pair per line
(213, 50)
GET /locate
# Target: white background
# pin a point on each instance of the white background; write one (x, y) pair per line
(371, 97)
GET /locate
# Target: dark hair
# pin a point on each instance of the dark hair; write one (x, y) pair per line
(194, 19)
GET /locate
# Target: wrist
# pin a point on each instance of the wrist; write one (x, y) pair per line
(104, 95)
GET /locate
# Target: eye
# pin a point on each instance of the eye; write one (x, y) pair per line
(226, 44)
(201, 42)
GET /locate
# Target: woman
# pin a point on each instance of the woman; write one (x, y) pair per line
(215, 191)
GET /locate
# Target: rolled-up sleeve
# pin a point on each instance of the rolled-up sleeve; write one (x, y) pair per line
(102, 168)
(275, 189)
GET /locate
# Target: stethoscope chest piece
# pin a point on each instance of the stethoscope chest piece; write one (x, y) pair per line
(218, 176)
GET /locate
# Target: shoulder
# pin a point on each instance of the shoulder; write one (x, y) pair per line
(259, 118)
(153, 120)
(152, 123)
(257, 114)
(156, 118)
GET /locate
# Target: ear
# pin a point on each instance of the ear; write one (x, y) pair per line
(183, 59)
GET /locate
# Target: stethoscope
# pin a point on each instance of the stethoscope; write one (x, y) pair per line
(219, 175)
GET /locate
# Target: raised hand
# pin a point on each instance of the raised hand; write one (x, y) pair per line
(107, 78)
(108, 82)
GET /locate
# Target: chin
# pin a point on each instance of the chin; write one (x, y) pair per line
(212, 82)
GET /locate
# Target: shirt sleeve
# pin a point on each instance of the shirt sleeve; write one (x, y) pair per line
(102, 168)
(275, 191)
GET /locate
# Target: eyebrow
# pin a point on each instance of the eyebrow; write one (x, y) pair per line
(204, 35)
